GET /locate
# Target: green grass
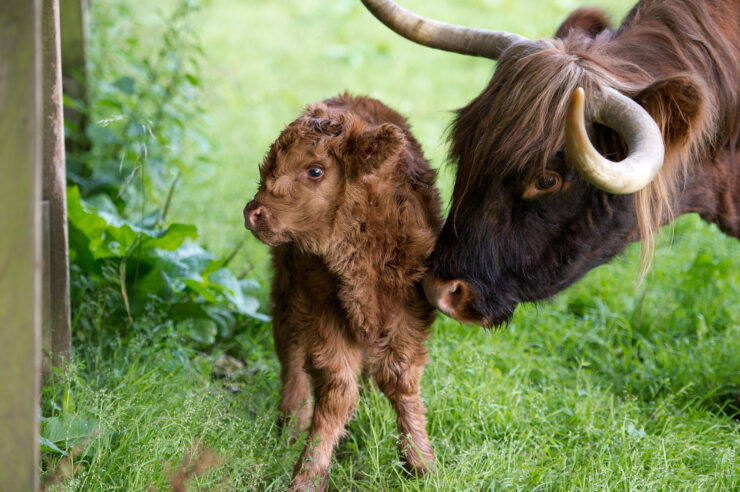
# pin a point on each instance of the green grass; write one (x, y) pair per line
(610, 386)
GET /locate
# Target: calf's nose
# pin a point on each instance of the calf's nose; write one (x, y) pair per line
(252, 214)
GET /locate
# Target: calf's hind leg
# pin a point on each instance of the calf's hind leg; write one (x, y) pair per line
(398, 370)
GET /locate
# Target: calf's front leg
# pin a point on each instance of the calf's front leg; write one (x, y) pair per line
(295, 391)
(333, 366)
(286, 295)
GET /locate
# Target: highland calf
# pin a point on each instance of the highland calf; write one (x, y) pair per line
(348, 203)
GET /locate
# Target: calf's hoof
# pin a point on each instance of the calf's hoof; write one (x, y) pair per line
(417, 469)
(294, 423)
(316, 485)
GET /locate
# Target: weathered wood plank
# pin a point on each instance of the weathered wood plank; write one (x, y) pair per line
(74, 73)
(54, 184)
(73, 38)
(20, 264)
(46, 327)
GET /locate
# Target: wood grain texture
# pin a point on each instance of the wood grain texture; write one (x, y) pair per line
(54, 186)
(73, 20)
(20, 265)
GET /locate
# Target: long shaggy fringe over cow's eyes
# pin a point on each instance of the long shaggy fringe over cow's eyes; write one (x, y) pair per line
(513, 125)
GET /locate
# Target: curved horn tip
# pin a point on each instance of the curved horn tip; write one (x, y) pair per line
(577, 143)
(634, 124)
(577, 104)
(579, 96)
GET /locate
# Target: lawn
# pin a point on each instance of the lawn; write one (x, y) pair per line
(610, 386)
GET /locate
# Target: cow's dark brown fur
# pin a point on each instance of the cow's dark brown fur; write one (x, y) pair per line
(350, 250)
(509, 242)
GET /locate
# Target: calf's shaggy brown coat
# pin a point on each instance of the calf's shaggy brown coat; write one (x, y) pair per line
(348, 202)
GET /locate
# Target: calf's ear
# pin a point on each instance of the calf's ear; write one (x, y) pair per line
(372, 147)
(678, 106)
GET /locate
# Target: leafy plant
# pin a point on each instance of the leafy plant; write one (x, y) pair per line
(144, 132)
(158, 267)
(145, 116)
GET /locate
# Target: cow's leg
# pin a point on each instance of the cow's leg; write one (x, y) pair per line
(398, 370)
(333, 363)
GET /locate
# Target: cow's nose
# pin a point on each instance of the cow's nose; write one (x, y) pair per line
(445, 295)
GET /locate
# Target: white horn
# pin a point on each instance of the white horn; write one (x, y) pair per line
(633, 124)
(440, 35)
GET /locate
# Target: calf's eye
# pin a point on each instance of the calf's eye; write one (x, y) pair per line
(315, 173)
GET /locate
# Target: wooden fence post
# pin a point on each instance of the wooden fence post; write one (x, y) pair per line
(20, 253)
(56, 328)
(74, 72)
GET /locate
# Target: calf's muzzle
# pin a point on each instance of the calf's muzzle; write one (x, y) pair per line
(253, 214)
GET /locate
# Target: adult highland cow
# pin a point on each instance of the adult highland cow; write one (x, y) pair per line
(581, 144)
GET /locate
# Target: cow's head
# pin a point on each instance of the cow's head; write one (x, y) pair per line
(552, 158)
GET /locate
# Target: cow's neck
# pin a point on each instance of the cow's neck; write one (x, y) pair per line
(713, 191)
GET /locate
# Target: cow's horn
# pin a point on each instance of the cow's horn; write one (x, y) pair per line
(439, 35)
(633, 124)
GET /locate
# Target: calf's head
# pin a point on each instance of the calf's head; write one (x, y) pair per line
(318, 165)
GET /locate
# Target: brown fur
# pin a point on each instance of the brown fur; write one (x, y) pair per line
(350, 250)
(679, 59)
(591, 21)
(688, 85)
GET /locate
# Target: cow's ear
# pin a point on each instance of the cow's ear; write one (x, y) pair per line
(588, 20)
(372, 147)
(679, 107)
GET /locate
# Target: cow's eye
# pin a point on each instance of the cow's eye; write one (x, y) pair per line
(547, 181)
(315, 173)
(543, 184)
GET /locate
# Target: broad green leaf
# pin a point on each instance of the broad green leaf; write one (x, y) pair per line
(201, 287)
(68, 429)
(125, 84)
(47, 445)
(201, 330)
(233, 292)
(110, 236)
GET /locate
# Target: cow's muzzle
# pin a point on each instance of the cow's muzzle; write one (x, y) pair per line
(452, 297)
